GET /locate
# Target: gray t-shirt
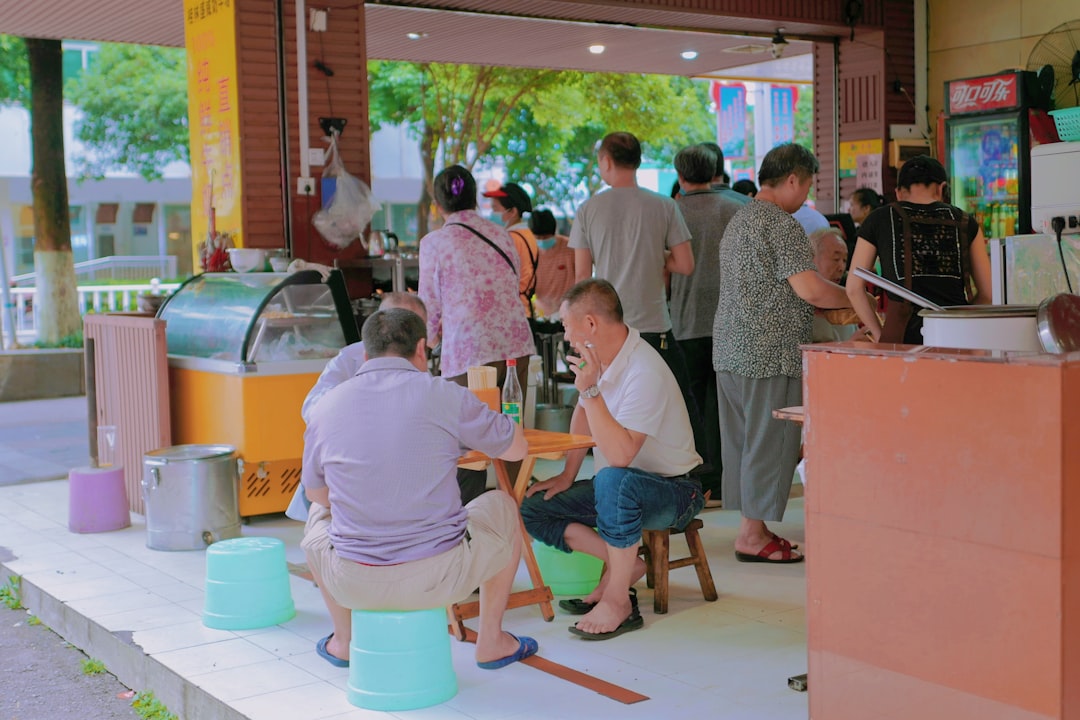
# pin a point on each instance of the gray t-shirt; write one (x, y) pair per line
(694, 296)
(627, 230)
(760, 321)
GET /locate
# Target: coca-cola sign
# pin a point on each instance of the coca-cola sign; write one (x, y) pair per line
(995, 92)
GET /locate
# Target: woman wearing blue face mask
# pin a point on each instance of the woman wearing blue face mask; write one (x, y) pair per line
(555, 268)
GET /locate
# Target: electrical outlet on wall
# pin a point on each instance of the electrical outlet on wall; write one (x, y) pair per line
(305, 186)
(315, 156)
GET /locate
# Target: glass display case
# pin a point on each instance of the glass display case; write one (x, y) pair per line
(244, 350)
(252, 318)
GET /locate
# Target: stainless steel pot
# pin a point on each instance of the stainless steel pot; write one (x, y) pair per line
(191, 496)
(982, 327)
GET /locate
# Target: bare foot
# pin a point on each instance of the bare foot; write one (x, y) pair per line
(598, 592)
(501, 647)
(606, 616)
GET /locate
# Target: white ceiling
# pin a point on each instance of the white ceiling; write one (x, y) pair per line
(456, 36)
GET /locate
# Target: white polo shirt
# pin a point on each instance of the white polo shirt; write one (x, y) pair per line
(641, 393)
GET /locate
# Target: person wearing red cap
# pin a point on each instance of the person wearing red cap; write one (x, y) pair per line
(510, 203)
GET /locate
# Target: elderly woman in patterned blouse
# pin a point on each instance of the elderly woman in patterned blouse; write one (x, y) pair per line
(469, 282)
(768, 290)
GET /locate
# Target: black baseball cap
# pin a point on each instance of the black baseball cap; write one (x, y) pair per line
(921, 170)
(512, 195)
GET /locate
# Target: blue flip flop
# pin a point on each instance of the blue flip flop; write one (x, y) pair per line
(320, 648)
(527, 647)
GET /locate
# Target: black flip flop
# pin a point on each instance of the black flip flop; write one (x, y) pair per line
(634, 622)
(577, 606)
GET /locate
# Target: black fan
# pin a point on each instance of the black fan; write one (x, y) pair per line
(1056, 59)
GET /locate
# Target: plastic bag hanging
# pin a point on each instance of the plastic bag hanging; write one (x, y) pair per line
(351, 206)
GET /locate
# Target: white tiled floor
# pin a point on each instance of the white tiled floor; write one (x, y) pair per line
(723, 660)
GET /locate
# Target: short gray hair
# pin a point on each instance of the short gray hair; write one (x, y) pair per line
(785, 159)
(817, 238)
(404, 300)
(696, 164)
(394, 332)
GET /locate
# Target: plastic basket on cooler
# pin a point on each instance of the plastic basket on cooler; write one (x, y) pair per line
(1068, 123)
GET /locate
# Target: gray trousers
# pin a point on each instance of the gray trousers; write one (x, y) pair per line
(759, 451)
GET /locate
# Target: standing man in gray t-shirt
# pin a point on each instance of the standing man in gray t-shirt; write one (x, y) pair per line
(632, 235)
(707, 210)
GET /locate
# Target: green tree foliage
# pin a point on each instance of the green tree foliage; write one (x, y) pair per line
(552, 143)
(542, 124)
(133, 100)
(14, 71)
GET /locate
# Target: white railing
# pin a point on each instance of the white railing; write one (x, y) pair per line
(115, 267)
(92, 298)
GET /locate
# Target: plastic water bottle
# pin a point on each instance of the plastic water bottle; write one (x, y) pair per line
(511, 392)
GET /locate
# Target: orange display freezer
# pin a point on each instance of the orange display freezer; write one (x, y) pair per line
(244, 350)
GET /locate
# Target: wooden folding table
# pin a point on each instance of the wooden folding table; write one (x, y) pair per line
(541, 442)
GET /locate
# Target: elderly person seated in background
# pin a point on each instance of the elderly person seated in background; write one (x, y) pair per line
(769, 288)
(830, 258)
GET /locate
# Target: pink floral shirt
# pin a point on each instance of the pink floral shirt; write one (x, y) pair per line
(472, 294)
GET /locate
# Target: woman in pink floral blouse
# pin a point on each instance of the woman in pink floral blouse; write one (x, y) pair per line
(469, 282)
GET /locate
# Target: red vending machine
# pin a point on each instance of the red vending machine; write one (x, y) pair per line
(988, 140)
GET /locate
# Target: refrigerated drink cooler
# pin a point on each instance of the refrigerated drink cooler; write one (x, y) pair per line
(244, 349)
(992, 123)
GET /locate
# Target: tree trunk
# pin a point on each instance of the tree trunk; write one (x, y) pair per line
(56, 295)
(428, 146)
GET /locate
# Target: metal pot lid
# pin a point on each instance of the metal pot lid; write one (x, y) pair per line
(1059, 323)
(981, 311)
(180, 453)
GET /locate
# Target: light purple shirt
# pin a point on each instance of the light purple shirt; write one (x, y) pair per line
(471, 294)
(342, 367)
(386, 443)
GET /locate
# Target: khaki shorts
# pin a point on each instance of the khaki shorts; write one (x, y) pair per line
(433, 582)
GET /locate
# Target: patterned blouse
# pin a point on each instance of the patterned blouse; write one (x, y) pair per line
(760, 321)
(472, 294)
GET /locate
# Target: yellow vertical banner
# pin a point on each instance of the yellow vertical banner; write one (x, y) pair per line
(213, 120)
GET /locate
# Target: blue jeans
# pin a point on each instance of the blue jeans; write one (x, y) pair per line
(619, 503)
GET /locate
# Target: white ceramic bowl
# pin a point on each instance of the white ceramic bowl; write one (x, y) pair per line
(280, 264)
(247, 259)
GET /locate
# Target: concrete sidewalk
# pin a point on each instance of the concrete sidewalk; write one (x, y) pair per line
(42, 439)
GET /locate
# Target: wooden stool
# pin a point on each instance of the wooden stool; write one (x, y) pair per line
(657, 563)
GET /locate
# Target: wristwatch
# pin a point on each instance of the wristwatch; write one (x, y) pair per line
(590, 392)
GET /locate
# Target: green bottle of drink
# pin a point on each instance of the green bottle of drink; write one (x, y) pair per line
(511, 392)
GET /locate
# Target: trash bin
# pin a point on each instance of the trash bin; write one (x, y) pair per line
(190, 492)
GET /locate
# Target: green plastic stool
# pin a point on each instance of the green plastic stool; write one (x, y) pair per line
(400, 660)
(247, 584)
(567, 574)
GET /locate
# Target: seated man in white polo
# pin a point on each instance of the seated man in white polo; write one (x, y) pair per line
(632, 407)
(387, 529)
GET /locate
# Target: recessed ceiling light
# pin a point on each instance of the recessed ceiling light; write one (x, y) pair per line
(416, 35)
(689, 54)
(596, 49)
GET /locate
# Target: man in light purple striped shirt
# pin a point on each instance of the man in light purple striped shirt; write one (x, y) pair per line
(387, 530)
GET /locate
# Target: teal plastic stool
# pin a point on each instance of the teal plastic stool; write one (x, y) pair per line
(400, 660)
(567, 574)
(247, 584)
